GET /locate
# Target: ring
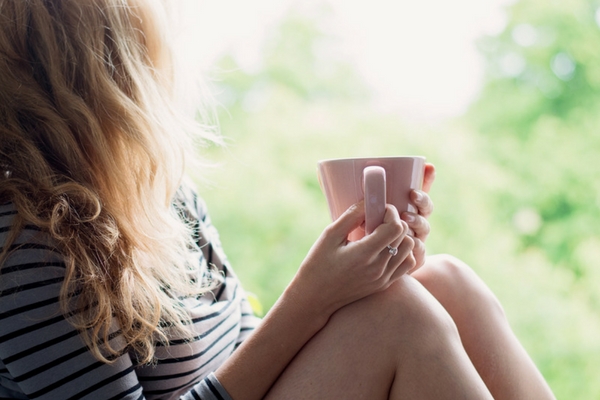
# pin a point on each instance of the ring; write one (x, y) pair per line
(393, 250)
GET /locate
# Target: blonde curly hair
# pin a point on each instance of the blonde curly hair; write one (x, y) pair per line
(92, 151)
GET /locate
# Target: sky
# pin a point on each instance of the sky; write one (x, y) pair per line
(418, 57)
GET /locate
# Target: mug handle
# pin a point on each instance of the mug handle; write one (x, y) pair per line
(375, 197)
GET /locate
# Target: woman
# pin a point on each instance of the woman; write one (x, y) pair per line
(113, 283)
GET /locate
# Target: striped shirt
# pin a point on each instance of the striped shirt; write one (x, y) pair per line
(43, 357)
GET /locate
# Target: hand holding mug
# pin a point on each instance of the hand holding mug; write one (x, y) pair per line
(377, 180)
(337, 272)
(381, 180)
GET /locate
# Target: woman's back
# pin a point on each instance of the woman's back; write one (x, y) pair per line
(41, 352)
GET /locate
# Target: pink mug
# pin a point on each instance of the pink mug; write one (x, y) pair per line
(378, 180)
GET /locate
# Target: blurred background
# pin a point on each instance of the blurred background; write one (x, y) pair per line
(502, 96)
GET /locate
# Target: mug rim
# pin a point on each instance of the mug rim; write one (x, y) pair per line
(369, 158)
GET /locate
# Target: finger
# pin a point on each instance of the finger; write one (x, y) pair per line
(422, 202)
(391, 229)
(351, 219)
(428, 177)
(405, 248)
(419, 252)
(392, 249)
(394, 255)
(405, 261)
(404, 268)
(418, 224)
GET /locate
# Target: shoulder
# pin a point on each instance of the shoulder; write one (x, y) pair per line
(33, 268)
(188, 203)
(25, 241)
(40, 351)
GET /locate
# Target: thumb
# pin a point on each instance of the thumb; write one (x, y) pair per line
(351, 219)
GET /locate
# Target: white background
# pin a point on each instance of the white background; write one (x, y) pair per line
(419, 56)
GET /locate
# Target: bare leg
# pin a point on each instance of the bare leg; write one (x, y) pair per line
(397, 344)
(499, 357)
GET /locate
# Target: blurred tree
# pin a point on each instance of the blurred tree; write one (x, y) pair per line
(299, 57)
(274, 116)
(539, 116)
(534, 175)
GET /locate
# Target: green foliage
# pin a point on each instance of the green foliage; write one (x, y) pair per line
(539, 115)
(514, 197)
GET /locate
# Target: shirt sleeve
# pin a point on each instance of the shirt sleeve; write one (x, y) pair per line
(210, 389)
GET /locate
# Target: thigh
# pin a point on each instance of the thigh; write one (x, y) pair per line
(347, 359)
(487, 337)
(399, 343)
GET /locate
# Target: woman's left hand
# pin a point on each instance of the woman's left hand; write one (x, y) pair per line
(418, 222)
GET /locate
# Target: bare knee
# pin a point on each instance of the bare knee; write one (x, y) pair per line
(404, 314)
(458, 287)
(364, 345)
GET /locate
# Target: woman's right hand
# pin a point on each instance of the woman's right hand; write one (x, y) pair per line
(334, 273)
(337, 272)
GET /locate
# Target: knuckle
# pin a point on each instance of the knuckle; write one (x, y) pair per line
(400, 227)
(396, 228)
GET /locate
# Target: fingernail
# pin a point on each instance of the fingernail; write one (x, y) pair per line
(409, 217)
(418, 196)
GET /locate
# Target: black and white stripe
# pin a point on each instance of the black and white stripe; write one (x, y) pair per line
(43, 357)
